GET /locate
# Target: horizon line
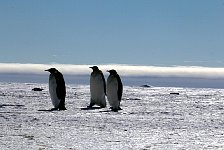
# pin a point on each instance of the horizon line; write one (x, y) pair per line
(122, 69)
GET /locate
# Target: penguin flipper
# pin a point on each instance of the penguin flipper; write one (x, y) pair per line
(60, 92)
(104, 82)
(120, 87)
(61, 89)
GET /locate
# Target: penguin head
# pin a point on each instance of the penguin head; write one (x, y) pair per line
(52, 70)
(95, 68)
(112, 72)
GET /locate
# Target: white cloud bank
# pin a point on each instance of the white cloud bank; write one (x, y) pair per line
(124, 70)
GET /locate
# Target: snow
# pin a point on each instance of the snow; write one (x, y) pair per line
(151, 118)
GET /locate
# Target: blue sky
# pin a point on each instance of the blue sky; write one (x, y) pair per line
(139, 32)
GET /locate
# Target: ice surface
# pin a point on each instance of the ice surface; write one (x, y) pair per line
(151, 119)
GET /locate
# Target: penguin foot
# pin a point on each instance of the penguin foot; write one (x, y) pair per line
(62, 108)
(90, 108)
(102, 106)
(113, 109)
(54, 109)
(90, 105)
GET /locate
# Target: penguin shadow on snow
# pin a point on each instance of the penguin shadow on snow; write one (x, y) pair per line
(50, 110)
(91, 108)
(44, 110)
(111, 110)
(100, 108)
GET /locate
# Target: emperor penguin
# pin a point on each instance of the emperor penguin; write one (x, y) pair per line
(114, 90)
(57, 89)
(97, 88)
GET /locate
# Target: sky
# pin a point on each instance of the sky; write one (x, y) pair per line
(132, 32)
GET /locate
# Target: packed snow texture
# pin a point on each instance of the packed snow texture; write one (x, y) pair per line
(151, 119)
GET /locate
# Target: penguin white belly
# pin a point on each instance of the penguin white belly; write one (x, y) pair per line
(97, 90)
(52, 91)
(112, 96)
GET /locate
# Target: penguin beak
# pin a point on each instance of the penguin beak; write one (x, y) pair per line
(46, 70)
